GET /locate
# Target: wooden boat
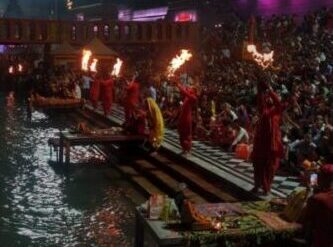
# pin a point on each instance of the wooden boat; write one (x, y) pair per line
(38, 101)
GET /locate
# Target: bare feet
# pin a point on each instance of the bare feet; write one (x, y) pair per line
(185, 153)
(266, 193)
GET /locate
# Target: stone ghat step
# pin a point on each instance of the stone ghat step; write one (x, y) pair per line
(207, 171)
(199, 182)
(234, 176)
(145, 175)
(151, 177)
(164, 181)
(143, 184)
(225, 179)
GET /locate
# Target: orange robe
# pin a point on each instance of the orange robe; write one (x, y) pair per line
(267, 146)
(107, 95)
(132, 99)
(95, 92)
(185, 118)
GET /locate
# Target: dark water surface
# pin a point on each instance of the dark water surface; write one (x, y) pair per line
(42, 207)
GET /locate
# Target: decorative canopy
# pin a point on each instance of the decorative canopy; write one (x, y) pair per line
(99, 49)
(65, 49)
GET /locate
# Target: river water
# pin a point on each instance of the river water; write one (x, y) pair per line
(41, 206)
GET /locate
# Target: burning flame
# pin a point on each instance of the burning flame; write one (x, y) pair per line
(93, 66)
(86, 54)
(11, 70)
(264, 60)
(178, 61)
(20, 68)
(117, 67)
(217, 226)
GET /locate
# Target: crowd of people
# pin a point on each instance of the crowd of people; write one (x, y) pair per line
(226, 113)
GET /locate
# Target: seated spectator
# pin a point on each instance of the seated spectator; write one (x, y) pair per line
(228, 135)
(227, 113)
(201, 131)
(241, 135)
(304, 150)
(77, 91)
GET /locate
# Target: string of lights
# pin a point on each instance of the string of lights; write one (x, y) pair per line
(69, 4)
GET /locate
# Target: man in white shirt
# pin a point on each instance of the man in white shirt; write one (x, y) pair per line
(228, 113)
(226, 53)
(87, 80)
(242, 136)
(152, 92)
(77, 92)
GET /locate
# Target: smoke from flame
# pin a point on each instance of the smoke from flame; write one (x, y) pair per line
(178, 61)
(117, 67)
(93, 66)
(20, 68)
(264, 60)
(11, 70)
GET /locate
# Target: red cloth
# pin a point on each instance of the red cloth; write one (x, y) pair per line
(227, 136)
(267, 146)
(137, 123)
(132, 98)
(185, 118)
(319, 216)
(325, 176)
(217, 134)
(107, 95)
(95, 92)
(201, 133)
(264, 171)
(327, 169)
(140, 125)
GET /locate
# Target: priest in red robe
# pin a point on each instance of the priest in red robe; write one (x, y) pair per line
(137, 122)
(107, 94)
(267, 146)
(132, 99)
(318, 219)
(95, 91)
(185, 118)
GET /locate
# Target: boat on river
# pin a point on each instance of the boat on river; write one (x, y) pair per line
(40, 102)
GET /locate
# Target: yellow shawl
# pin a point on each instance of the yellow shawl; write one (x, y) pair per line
(156, 123)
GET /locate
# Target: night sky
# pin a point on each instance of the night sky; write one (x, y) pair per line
(34, 8)
(45, 8)
(31, 8)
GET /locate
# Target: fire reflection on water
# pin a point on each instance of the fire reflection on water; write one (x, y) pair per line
(45, 206)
